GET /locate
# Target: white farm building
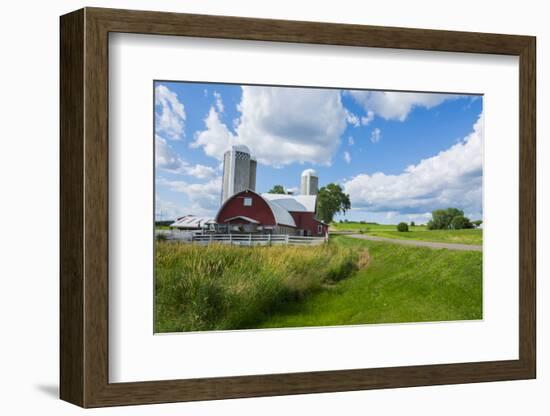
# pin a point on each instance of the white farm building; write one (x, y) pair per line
(193, 222)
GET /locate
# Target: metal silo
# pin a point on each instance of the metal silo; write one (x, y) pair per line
(309, 182)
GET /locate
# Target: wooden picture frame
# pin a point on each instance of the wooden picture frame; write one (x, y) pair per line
(84, 207)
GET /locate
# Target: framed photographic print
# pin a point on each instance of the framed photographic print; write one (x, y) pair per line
(255, 207)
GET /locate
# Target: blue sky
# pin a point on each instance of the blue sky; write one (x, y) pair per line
(399, 155)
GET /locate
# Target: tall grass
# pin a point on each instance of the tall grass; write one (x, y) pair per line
(226, 287)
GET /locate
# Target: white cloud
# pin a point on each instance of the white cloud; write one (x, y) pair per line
(200, 171)
(453, 177)
(169, 210)
(347, 157)
(365, 120)
(169, 161)
(376, 135)
(219, 102)
(352, 119)
(280, 126)
(165, 157)
(169, 113)
(395, 105)
(204, 197)
(216, 139)
(287, 125)
(351, 142)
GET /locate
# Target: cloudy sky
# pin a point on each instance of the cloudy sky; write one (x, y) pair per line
(399, 155)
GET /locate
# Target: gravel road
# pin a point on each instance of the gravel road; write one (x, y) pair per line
(417, 243)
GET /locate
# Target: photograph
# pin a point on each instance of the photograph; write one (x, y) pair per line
(292, 206)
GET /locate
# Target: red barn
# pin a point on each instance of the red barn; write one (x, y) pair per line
(249, 212)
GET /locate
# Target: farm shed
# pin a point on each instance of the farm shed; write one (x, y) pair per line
(193, 222)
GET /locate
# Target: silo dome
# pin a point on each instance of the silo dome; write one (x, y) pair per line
(241, 148)
(309, 172)
(309, 182)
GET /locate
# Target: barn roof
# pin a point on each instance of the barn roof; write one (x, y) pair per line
(293, 203)
(282, 216)
(192, 221)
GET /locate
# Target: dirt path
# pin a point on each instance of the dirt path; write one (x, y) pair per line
(418, 243)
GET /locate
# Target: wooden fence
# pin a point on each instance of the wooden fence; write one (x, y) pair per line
(242, 239)
(256, 239)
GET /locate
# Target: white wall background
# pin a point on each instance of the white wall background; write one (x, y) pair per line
(29, 209)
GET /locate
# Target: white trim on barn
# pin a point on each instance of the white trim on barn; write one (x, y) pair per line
(248, 219)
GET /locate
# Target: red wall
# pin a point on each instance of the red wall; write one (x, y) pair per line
(234, 206)
(306, 221)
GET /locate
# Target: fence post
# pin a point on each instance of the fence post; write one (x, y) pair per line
(286, 239)
(250, 239)
(210, 239)
(269, 239)
(230, 239)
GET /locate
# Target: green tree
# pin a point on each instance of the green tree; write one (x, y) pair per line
(442, 218)
(477, 223)
(277, 189)
(460, 222)
(402, 227)
(331, 200)
(412, 223)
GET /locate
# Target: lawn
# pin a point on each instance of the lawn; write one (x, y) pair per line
(422, 233)
(400, 284)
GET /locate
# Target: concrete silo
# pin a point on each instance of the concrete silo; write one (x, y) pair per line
(252, 176)
(310, 182)
(239, 171)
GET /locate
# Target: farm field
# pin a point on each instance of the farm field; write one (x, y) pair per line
(469, 236)
(400, 284)
(347, 281)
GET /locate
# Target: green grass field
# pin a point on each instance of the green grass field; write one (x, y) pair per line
(213, 287)
(357, 226)
(162, 227)
(400, 284)
(422, 233)
(348, 281)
